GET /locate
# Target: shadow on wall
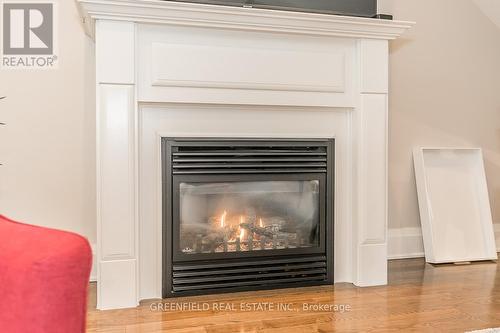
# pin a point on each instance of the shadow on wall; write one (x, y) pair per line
(444, 92)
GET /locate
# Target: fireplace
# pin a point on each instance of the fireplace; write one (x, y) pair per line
(243, 214)
(167, 69)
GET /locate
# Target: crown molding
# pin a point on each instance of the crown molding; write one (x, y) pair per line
(236, 18)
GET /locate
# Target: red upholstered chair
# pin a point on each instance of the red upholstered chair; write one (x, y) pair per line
(44, 275)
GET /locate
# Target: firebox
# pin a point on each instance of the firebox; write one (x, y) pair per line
(246, 214)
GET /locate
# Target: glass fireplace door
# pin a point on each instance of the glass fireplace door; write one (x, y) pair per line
(247, 215)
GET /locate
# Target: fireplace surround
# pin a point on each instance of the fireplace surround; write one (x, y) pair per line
(245, 214)
(181, 70)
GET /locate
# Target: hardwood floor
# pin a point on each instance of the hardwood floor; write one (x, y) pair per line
(419, 298)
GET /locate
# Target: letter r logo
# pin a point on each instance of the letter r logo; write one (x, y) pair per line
(28, 28)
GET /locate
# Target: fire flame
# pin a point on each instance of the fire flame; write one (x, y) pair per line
(261, 224)
(223, 219)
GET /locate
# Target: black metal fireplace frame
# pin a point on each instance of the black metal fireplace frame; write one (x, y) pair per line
(175, 263)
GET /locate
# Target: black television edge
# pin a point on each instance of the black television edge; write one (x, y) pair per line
(361, 8)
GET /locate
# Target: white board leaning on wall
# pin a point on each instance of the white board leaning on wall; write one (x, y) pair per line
(454, 205)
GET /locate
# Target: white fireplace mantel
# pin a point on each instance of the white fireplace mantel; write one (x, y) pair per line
(180, 69)
(251, 19)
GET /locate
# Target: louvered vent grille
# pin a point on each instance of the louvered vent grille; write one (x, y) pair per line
(267, 272)
(241, 158)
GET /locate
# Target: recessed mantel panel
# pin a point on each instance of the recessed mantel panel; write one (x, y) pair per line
(207, 66)
(181, 64)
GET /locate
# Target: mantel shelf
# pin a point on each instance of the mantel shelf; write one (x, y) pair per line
(250, 19)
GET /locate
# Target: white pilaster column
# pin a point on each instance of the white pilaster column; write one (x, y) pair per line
(369, 123)
(116, 166)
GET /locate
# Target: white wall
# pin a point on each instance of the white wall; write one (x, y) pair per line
(490, 8)
(445, 91)
(445, 84)
(48, 145)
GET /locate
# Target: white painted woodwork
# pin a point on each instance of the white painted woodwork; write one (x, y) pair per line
(370, 153)
(236, 121)
(117, 281)
(220, 66)
(372, 265)
(408, 242)
(454, 205)
(374, 66)
(181, 69)
(374, 175)
(234, 18)
(116, 58)
(194, 65)
(405, 243)
(116, 170)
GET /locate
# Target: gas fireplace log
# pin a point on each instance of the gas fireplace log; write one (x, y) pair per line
(279, 221)
(258, 230)
(225, 239)
(263, 243)
(250, 242)
(212, 241)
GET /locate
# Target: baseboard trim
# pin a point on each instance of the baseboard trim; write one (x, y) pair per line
(406, 243)
(406, 256)
(93, 272)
